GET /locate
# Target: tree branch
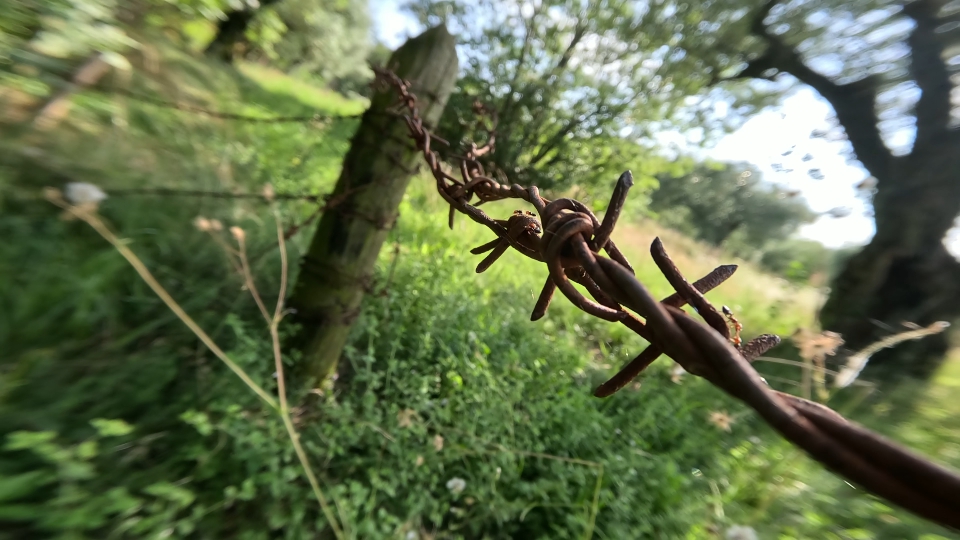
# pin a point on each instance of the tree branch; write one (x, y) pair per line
(854, 103)
(556, 139)
(578, 33)
(929, 72)
(551, 77)
(529, 28)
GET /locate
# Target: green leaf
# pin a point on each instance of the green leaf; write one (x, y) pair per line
(76, 470)
(26, 440)
(111, 428)
(199, 420)
(21, 485)
(247, 490)
(87, 450)
(181, 497)
(22, 512)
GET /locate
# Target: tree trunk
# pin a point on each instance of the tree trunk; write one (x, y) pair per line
(376, 171)
(905, 273)
(231, 32)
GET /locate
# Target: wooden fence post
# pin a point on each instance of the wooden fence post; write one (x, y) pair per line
(339, 263)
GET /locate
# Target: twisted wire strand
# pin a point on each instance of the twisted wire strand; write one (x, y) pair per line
(570, 245)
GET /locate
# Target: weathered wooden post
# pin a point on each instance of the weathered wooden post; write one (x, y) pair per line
(376, 171)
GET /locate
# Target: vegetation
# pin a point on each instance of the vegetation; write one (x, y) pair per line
(577, 86)
(729, 202)
(454, 415)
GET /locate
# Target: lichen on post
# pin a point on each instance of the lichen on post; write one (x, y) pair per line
(339, 263)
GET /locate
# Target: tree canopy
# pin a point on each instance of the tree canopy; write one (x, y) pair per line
(727, 202)
(328, 39)
(564, 74)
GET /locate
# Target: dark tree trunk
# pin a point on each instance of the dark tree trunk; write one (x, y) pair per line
(231, 32)
(904, 274)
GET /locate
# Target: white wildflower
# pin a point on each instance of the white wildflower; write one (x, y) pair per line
(411, 535)
(80, 193)
(456, 485)
(741, 532)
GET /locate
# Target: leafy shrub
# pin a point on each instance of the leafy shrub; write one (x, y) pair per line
(796, 259)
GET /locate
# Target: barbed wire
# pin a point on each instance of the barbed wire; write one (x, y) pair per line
(565, 235)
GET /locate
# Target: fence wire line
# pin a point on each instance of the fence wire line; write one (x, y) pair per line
(222, 115)
(565, 235)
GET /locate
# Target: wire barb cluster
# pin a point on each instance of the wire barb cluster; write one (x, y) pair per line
(567, 236)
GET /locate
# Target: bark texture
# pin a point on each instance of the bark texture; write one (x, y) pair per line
(339, 264)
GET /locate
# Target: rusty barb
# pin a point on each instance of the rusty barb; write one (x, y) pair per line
(567, 236)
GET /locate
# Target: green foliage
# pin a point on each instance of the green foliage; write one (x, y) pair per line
(61, 28)
(122, 425)
(796, 259)
(325, 39)
(61, 495)
(566, 78)
(730, 205)
(476, 373)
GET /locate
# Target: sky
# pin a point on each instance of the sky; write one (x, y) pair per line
(762, 140)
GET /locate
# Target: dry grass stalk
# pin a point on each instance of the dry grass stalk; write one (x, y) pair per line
(87, 213)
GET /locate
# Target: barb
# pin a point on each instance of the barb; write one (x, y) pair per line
(568, 238)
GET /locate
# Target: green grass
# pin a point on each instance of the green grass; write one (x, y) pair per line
(450, 351)
(279, 84)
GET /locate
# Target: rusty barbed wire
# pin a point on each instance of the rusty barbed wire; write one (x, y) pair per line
(566, 236)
